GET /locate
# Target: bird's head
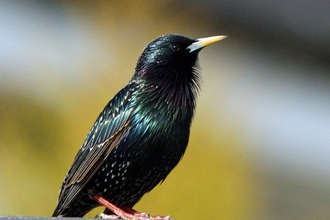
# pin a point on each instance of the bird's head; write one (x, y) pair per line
(171, 53)
(167, 74)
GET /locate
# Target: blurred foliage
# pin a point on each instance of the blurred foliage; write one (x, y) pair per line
(39, 138)
(31, 133)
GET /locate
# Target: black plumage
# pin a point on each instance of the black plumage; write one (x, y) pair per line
(141, 134)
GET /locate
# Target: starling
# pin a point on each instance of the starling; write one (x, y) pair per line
(140, 135)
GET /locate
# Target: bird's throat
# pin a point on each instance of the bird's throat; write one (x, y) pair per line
(171, 101)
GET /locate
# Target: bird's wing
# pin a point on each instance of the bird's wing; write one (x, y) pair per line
(105, 135)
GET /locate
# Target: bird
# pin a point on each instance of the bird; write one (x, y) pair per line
(140, 135)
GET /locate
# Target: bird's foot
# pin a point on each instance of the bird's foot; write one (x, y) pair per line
(137, 216)
(141, 215)
(126, 213)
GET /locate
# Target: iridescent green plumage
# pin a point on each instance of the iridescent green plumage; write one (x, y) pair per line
(141, 134)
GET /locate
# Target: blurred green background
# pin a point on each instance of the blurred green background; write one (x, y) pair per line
(264, 98)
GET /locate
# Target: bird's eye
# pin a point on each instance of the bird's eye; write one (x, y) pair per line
(175, 47)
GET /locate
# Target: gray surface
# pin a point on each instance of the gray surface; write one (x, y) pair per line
(39, 218)
(33, 217)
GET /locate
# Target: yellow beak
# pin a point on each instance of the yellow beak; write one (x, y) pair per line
(203, 42)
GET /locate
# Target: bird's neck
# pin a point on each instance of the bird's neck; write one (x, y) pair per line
(169, 98)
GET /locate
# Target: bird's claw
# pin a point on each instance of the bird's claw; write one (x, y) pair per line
(137, 216)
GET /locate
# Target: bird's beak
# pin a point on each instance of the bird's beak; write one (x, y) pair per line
(203, 42)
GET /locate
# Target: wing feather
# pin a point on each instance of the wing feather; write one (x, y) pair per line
(111, 125)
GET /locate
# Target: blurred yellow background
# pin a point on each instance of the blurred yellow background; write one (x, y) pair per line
(69, 59)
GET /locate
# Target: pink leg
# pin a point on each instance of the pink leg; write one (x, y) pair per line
(126, 213)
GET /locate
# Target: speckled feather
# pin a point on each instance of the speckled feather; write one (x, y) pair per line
(140, 135)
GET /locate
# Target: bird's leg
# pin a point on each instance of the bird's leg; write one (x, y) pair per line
(126, 213)
(118, 211)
